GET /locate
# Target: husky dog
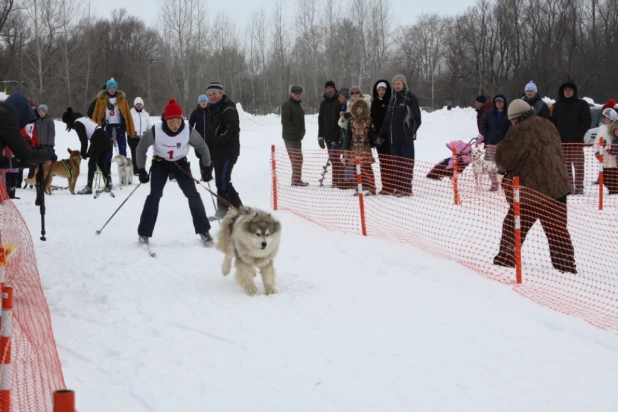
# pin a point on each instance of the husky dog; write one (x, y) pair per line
(480, 166)
(125, 169)
(252, 236)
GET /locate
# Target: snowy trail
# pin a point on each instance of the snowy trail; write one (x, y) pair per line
(359, 324)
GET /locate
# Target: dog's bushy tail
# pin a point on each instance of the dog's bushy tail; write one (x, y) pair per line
(225, 233)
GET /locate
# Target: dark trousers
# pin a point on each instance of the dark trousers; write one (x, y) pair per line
(553, 217)
(159, 173)
(574, 159)
(294, 148)
(334, 154)
(121, 139)
(403, 166)
(133, 142)
(100, 145)
(225, 189)
(369, 180)
(610, 179)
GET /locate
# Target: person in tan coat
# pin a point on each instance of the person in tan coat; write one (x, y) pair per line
(113, 113)
(532, 150)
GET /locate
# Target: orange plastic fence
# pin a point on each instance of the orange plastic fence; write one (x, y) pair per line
(35, 369)
(465, 222)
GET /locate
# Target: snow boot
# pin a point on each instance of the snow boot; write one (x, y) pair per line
(87, 190)
(207, 239)
(143, 240)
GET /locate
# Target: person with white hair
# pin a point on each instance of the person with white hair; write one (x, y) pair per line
(142, 123)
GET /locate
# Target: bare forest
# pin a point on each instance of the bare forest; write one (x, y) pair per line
(58, 53)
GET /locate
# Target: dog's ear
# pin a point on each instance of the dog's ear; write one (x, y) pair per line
(69, 150)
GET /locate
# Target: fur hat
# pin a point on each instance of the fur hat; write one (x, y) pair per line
(610, 114)
(138, 100)
(172, 110)
(295, 89)
(531, 86)
(111, 83)
(611, 103)
(202, 98)
(360, 103)
(481, 99)
(214, 86)
(517, 108)
(401, 78)
(356, 89)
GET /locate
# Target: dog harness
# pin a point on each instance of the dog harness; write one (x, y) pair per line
(171, 148)
(68, 166)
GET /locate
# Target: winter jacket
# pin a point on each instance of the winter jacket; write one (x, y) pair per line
(609, 161)
(29, 134)
(292, 120)
(613, 150)
(141, 121)
(328, 118)
(15, 113)
(495, 124)
(123, 105)
(571, 116)
(358, 142)
(532, 150)
(540, 107)
(403, 118)
(379, 108)
(223, 137)
(199, 120)
(46, 130)
(343, 121)
(480, 113)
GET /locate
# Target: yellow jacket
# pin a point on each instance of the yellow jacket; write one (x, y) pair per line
(125, 111)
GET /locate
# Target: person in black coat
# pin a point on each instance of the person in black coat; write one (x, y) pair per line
(199, 121)
(402, 121)
(572, 118)
(379, 106)
(223, 140)
(494, 127)
(293, 131)
(329, 132)
(15, 114)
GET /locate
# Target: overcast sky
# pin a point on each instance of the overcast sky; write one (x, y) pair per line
(404, 11)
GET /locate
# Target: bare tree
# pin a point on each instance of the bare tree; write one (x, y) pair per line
(280, 47)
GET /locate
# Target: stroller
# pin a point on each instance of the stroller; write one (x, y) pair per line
(464, 158)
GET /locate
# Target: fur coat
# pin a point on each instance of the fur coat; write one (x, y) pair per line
(359, 134)
(125, 110)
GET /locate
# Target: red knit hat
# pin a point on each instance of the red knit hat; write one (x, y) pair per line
(172, 110)
(609, 105)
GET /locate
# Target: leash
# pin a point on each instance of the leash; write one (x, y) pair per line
(224, 201)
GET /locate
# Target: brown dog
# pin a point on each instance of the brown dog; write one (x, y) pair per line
(68, 168)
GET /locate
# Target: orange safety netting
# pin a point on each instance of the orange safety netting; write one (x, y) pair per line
(36, 370)
(466, 224)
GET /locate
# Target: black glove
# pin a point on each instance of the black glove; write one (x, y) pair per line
(52, 153)
(143, 176)
(207, 173)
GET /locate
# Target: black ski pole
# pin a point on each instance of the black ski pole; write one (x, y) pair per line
(98, 232)
(40, 197)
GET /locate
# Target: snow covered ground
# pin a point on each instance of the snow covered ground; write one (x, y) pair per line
(359, 324)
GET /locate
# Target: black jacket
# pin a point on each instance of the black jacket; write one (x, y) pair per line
(379, 107)
(199, 120)
(540, 107)
(292, 120)
(15, 113)
(494, 125)
(223, 138)
(328, 119)
(403, 118)
(571, 116)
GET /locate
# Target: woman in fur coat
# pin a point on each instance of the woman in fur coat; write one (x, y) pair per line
(358, 143)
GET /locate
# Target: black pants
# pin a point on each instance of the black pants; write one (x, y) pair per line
(402, 166)
(225, 188)
(159, 173)
(133, 142)
(100, 145)
(295, 153)
(553, 217)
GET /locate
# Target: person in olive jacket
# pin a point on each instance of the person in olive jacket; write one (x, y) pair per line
(293, 131)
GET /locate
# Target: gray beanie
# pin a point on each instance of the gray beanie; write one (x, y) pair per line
(44, 108)
(401, 78)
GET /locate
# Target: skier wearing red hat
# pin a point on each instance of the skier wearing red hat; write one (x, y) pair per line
(171, 141)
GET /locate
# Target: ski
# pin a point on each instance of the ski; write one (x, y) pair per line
(99, 191)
